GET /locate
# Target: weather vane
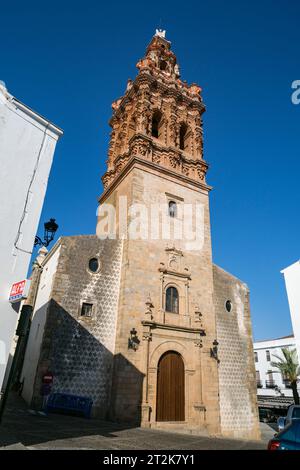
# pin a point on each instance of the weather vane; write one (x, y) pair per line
(161, 33)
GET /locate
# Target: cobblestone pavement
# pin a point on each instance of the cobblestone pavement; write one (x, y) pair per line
(22, 430)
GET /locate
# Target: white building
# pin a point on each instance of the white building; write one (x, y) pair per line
(271, 384)
(27, 144)
(292, 284)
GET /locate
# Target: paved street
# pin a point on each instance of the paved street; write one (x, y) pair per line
(21, 430)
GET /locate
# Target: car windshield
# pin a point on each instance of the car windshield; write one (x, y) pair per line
(296, 413)
(290, 431)
(264, 412)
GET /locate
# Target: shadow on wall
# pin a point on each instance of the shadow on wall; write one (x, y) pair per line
(18, 426)
(7, 370)
(81, 365)
(6, 365)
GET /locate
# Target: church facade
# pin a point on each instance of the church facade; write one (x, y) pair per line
(141, 320)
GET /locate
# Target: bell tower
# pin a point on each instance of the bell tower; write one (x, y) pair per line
(166, 317)
(158, 120)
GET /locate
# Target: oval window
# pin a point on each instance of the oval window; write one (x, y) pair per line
(228, 305)
(93, 265)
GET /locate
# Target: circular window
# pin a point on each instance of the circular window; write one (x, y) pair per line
(93, 265)
(228, 305)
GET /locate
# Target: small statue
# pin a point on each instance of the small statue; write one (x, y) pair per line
(176, 70)
(150, 306)
(129, 84)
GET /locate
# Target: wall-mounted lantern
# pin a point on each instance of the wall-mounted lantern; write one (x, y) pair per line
(133, 341)
(50, 228)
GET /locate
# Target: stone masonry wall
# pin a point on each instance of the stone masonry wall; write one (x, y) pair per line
(79, 350)
(141, 277)
(238, 403)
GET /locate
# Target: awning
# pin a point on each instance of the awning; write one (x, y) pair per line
(268, 401)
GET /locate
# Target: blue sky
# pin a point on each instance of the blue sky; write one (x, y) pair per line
(70, 60)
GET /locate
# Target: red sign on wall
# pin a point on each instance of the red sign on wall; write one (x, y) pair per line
(18, 291)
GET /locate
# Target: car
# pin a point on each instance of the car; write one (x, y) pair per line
(293, 413)
(266, 415)
(288, 438)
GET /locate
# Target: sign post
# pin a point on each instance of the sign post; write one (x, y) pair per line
(22, 329)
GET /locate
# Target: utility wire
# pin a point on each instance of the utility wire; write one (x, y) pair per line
(27, 195)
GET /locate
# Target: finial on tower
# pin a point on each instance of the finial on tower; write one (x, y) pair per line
(161, 33)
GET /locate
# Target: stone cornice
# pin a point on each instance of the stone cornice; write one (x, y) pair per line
(176, 273)
(163, 170)
(164, 326)
(167, 157)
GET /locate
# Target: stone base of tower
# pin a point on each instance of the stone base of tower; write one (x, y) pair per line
(174, 369)
(218, 397)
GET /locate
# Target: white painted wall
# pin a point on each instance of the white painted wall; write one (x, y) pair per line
(27, 144)
(292, 284)
(263, 366)
(32, 354)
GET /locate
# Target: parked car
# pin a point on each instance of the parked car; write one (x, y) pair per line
(293, 413)
(266, 415)
(288, 438)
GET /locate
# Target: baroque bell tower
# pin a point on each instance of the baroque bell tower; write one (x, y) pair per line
(158, 120)
(164, 371)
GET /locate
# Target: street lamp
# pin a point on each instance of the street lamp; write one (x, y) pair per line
(50, 228)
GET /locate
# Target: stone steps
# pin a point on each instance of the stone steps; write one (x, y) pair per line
(178, 427)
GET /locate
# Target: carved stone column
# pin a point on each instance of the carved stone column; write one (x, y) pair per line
(145, 407)
(199, 407)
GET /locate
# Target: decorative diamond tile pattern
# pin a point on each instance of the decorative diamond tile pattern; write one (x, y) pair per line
(79, 350)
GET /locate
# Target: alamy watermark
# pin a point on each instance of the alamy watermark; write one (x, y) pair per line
(157, 221)
(295, 97)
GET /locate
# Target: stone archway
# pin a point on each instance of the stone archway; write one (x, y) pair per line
(170, 401)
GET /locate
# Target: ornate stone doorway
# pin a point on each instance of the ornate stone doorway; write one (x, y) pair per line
(170, 401)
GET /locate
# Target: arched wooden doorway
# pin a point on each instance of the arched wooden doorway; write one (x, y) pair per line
(170, 388)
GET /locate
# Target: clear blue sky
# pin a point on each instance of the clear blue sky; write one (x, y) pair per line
(70, 60)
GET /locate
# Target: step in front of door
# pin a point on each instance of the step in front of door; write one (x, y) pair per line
(179, 427)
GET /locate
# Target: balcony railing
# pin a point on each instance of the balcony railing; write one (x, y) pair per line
(259, 384)
(270, 384)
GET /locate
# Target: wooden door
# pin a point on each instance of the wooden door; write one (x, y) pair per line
(170, 388)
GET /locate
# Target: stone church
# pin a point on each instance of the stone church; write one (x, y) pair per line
(148, 327)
